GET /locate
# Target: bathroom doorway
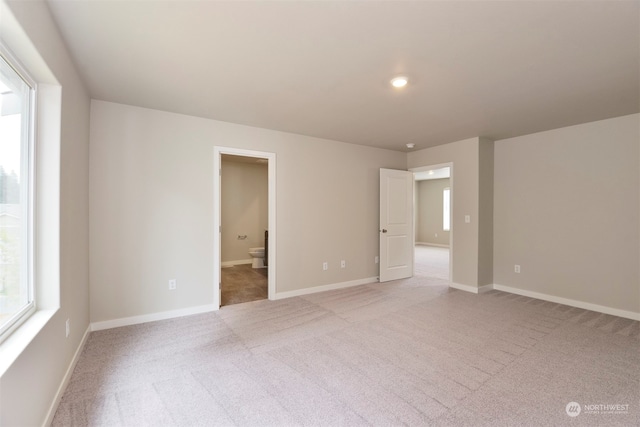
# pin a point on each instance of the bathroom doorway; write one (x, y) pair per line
(244, 264)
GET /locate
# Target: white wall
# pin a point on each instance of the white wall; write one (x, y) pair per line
(468, 182)
(485, 211)
(245, 208)
(152, 208)
(566, 210)
(28, 387)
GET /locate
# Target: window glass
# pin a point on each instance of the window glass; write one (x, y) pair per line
(16, 287)
(446, 210)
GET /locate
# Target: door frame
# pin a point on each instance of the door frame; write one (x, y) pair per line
(451, 208)
(217, 216)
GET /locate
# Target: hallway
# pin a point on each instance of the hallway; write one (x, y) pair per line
(432, 261)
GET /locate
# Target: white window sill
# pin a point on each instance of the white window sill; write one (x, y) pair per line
(12, 347)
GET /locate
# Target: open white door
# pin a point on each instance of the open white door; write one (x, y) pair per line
(396, 224)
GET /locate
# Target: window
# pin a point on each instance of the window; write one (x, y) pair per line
(17, 99)
(446, 209)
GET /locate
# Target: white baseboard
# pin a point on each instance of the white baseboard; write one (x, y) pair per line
(432, 244)
(236, 262)
(134, 320)
(472, 289)
(67, 376)
(322, 288)
(571, 302)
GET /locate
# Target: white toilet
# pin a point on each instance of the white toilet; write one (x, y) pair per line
(257, 255)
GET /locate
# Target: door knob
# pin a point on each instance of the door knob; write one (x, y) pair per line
(383, 230)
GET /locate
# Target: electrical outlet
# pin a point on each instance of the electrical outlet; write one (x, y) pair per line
(343, 264)
(67, 328)
(325, 266)
(516, 268)
(172, 284)
(376, 259)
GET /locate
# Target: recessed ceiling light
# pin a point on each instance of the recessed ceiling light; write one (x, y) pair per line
(400, 81)
(411, 145)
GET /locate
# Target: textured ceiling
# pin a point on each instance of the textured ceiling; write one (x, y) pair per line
(322, 68)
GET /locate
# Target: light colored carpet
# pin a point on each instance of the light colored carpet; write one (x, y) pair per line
(409, 352)
(431, 261)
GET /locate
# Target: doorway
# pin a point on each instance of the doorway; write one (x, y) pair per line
(243, 225)
(432, 221)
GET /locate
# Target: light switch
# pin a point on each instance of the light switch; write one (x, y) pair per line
(467, 219)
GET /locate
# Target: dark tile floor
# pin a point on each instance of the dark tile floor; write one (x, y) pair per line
(241, 283)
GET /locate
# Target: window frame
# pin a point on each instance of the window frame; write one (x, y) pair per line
(446, 209)
(28, 194)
